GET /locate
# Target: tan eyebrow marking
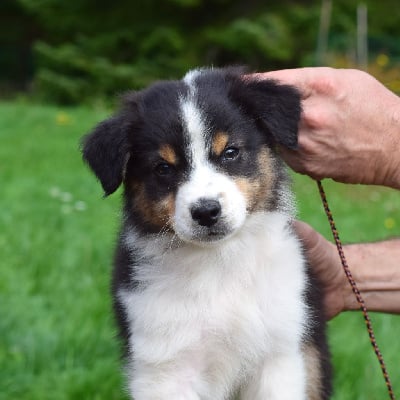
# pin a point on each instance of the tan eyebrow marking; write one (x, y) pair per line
(168, 154)
(220, 140)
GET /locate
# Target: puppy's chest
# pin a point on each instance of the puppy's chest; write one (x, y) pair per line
(211, 310)
(240, 298)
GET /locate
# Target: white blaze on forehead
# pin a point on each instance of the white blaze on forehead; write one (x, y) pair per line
(191, 76)
(195, 129)
(194, 123)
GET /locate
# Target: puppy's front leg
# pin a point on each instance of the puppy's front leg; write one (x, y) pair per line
(281, 377)
(164, 381)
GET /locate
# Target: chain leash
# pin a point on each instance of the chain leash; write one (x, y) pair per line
(356, 292)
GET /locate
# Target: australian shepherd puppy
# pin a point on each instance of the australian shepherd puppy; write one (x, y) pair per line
(211, 289)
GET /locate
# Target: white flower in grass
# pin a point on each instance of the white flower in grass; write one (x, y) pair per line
(375, 196)
(55, 192)
(66, 197)
(80, 206)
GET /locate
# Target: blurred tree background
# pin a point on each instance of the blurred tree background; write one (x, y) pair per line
(71, 52)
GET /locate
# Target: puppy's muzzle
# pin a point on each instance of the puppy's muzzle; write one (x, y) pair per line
(206, 212)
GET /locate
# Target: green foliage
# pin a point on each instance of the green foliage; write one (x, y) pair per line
(129, 44)
(70, 76)
(258, 40)
(85, 50)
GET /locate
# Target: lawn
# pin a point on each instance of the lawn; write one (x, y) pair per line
(56, 240)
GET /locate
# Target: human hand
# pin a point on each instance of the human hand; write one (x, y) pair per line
(325, 264)
(374, 267)
(350, 126)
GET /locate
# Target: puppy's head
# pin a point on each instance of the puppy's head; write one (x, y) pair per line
(197, 156)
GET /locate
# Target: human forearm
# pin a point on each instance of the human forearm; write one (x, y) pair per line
(376, 269)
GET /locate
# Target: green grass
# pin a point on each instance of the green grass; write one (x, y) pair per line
(56, 242)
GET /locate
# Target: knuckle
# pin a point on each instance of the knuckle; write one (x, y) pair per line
(315, 119)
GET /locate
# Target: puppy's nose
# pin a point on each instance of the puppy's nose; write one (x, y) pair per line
(206, 212)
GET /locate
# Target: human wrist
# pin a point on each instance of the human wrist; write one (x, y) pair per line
(353, 257)
(375, 269)
(391, 156)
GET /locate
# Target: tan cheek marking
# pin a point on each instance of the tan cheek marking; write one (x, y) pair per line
(248, 188)
(257, 191)
(158, 214)
(219, 143)
(168, 154)
(313, 369)
(268, 175)
(167, 208)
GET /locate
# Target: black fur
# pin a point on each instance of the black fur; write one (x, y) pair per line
(106, 151)
(316, 334)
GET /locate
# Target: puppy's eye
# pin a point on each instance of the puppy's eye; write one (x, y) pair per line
(230, 153)
(163, 169)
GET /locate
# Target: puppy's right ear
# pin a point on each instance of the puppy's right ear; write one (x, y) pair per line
(106, 152)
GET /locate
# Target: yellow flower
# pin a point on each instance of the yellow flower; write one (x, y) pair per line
(382, 60)
(389, 223)
(63, 119)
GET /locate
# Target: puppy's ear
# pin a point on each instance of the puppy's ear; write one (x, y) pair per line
(275, 108)
(106, 151)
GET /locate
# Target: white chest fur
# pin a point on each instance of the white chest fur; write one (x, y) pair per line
(206, 318)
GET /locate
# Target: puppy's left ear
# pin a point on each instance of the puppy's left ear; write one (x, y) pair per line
(275, 108)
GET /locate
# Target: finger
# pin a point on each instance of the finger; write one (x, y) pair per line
(318, 251)
(298, 77)
(297, 164)
(306, 233)
(291, 158)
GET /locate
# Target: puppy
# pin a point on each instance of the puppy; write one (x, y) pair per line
(212, 294)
